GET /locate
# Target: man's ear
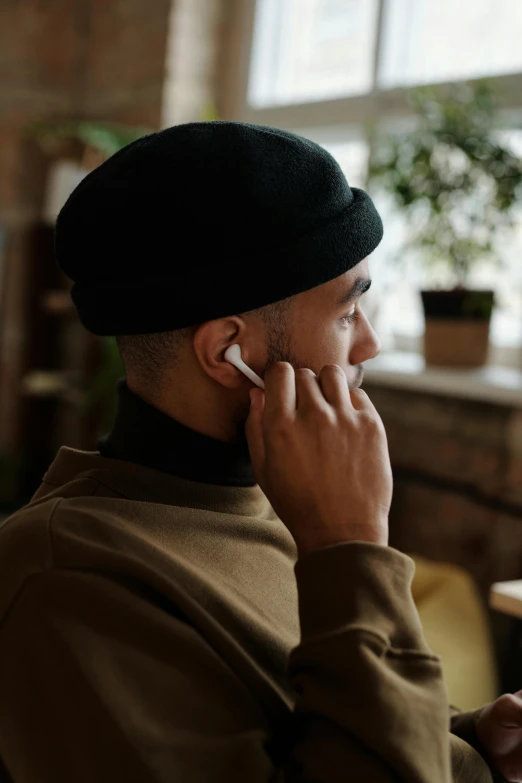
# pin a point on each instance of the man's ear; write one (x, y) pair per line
(210, 342)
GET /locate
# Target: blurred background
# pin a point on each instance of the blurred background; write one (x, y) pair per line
(420, 101)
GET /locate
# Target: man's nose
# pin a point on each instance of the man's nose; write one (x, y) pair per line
(367, 345)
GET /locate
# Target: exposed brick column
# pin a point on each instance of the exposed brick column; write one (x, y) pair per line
(125, 61)
(61, 59)
(194, 56)
(39, 45)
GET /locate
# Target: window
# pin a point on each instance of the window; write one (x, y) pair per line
(306, 50)
(427, 41)
(326, 68)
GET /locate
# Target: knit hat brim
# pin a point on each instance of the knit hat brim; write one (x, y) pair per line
(325, 253)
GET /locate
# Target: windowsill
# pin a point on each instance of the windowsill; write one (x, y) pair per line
(401, 370)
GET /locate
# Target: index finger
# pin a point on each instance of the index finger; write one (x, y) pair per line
(280, 396)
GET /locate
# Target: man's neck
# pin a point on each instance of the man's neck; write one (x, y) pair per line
(202, 410)
(145, 435)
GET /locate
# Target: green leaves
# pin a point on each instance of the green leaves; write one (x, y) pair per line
(455, 167)
(102, 390)
(107, 138)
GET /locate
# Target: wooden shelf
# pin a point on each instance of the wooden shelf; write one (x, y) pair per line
(51, 384)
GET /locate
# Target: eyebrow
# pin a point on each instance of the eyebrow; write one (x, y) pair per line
(360, 286)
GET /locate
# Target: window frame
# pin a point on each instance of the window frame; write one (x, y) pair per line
(378, 105)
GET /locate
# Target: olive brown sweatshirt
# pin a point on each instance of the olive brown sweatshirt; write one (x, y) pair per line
(156, 626)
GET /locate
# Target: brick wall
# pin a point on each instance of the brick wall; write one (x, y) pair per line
(196, 35)
(61, 59)
(124, 63)
(458, 485)
(458, 488)
(142, 62)
(38, 71)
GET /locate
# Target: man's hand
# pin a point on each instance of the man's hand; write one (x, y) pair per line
(320, 455)
(499, 728)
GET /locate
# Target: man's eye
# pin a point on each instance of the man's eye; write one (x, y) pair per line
(350, 319)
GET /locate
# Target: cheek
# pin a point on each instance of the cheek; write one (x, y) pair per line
(325, 344)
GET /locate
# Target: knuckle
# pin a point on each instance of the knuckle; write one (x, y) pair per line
(506, 701)
(333, 369)
(304, 372)
(280, 430)
(370, 421)
(361, 395)
(281, 368)
(346, 417)
(317, 417)
(323, 416)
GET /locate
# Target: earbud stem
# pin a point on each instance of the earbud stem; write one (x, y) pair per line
(233, 355)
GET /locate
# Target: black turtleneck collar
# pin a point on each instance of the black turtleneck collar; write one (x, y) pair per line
(144, 435)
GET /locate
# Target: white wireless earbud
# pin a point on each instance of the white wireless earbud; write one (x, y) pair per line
(233, 355)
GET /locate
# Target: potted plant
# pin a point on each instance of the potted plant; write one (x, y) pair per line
(457, 184)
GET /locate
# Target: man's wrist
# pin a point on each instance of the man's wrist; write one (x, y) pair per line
(374, 532)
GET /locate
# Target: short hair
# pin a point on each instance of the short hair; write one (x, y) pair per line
(150, 355)
(277, 318)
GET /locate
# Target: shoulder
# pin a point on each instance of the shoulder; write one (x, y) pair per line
(56, 533)
(25, 548)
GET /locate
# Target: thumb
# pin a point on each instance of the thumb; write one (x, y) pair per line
(254, 432)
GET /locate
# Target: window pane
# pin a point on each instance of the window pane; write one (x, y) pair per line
(307, 50)
(429, 41)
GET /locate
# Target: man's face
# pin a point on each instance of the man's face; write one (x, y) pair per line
(327, 326)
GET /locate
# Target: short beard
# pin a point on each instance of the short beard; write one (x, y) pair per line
(280, 349)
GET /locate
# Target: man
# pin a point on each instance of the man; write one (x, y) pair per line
(163, 617)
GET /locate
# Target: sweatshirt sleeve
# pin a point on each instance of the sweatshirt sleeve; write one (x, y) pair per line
(100, 683)
(463, 725)
(370, 692)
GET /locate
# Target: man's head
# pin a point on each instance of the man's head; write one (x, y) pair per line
(210, 234)
(324, 325)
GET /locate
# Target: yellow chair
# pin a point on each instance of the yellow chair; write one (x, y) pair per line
(456, 628)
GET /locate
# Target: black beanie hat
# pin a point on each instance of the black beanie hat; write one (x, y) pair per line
(205, 220)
